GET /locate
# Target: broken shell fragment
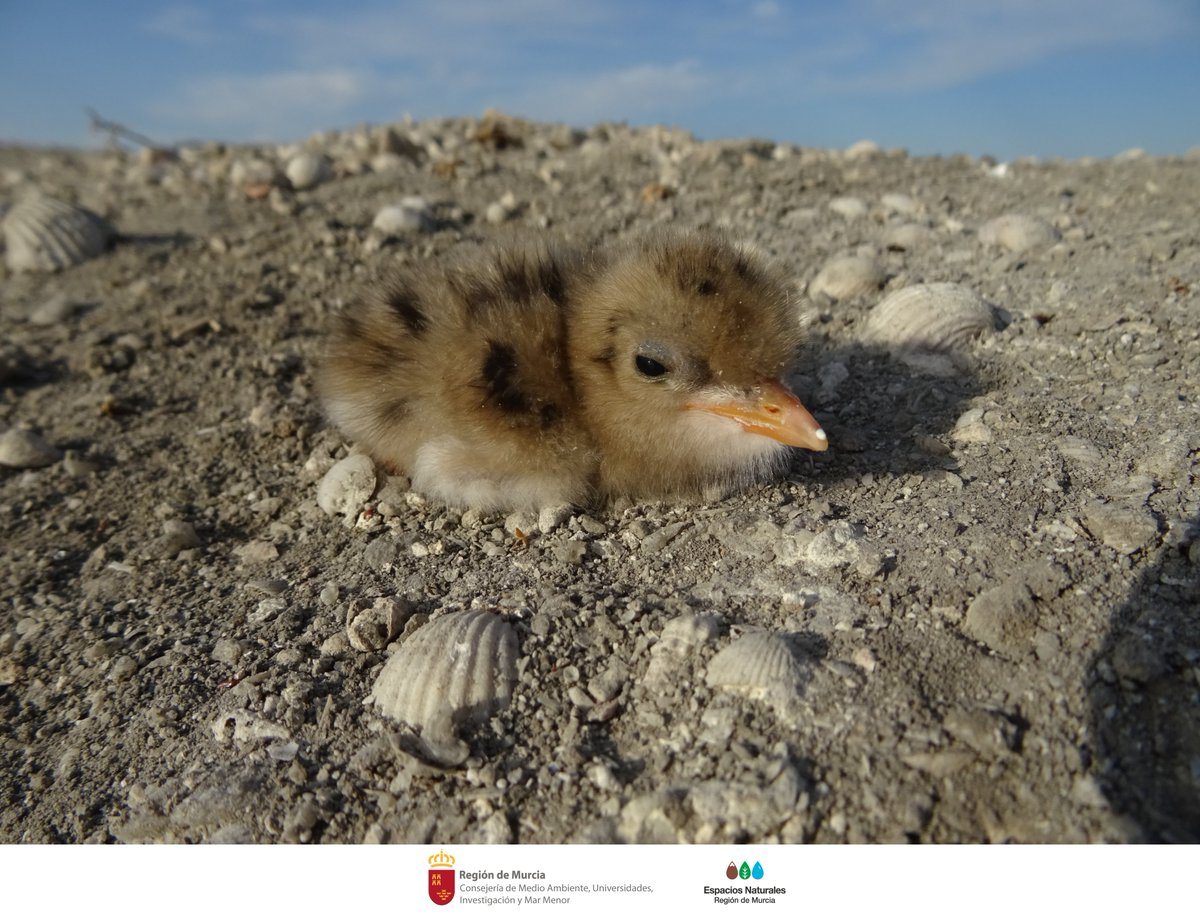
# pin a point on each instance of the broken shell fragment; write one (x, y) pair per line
(370, 629)
(929, 317)
(458, 668)
(44, 234)
(758, 665)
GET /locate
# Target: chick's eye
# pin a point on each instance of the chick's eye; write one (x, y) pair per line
(648, 367)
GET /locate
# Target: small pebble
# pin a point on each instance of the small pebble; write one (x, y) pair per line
(905, 236)
(257, 551)
(863, 149)
(552, 518)
(227, 651)
(848, 276)
(77, 465)
(252, 172)
(971, 429)
(52, 311)
(23, 449)
(349, 483)
(1003, 618)
(176, 537)
(1126, 530)
(411, 215)
(370, 629)
(123, 668)
(272, 587)
(571, 552)
(849, 207)
(306, 170)
(898, 203)
(658, 540)
(1018, 233)
(283, 751)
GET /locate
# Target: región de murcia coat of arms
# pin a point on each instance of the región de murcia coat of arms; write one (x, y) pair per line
(441, 877)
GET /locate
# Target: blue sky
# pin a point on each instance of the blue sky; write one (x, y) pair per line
(1003, 77)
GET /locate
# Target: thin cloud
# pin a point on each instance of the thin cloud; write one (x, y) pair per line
(944, 43)
(264, 105)
(187, 24)
(461, 31)
(617, 94)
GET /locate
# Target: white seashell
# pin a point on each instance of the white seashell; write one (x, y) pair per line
(1018, 233)
(305, 170)
(44, 234)
(458, 668)
(409, 216)
(756, 665)
(849, 207)
(23, 450)
(848, 276)
(931, 317)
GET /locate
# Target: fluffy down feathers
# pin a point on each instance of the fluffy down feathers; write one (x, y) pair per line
(541, 375)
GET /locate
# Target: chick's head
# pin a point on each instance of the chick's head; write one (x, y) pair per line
(678, 353)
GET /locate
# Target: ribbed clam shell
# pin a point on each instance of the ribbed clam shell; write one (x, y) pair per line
(932, 317)
(458, 668)
(757, 664)
(44, 234)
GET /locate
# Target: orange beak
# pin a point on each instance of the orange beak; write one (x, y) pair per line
(775, 413)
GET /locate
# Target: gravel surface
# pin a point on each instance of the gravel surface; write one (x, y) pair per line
(976, 618)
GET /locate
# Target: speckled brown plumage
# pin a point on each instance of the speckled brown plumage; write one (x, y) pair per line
(538, 375)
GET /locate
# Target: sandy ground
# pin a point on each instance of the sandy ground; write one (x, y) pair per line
(987, 592)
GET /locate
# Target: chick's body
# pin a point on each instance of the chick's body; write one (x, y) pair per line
(541, 376)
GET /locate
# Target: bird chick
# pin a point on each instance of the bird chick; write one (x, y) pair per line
(543, 375)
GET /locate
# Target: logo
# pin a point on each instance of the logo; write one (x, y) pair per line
(733, 871)
(441, 877)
